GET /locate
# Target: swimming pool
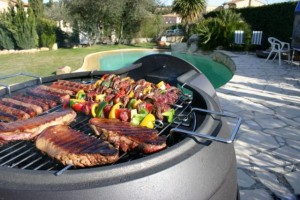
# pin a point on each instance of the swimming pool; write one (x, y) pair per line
(218, 74)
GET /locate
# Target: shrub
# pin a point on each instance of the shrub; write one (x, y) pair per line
(219, 30)
(46, 30)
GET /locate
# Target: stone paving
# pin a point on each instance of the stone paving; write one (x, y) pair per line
(267, 96)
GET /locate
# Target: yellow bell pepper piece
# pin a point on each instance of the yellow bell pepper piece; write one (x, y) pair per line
(148, 121)
(134, 105)
(161, 85)
(147, 89)
(94, 108)
(100, 97)
(112, 112)
(80, 94)
(131, 94)
(98, 83)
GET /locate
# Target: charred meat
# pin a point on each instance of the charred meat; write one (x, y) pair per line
(37, 109)
(28, 110)
(128, 137)
(54, 96)
(19, 114)
(72, 147)
(45, 104)
(71, 86)
(5, 117)
(57, 90)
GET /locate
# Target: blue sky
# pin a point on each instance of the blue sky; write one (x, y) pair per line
(220, 2)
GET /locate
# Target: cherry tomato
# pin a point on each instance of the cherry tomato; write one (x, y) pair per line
(149, 107)
(78, 107)
(122, 114)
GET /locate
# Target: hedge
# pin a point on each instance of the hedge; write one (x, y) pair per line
(275, 20)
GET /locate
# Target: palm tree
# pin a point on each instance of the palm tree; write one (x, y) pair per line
(189, 10)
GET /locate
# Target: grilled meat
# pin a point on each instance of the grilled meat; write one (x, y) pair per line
(13, 111)
(43, 103)
(128, 137)
(57, 90)
(28, 110)
(72, 147)
(72, 86)
(59, 98)
(30, 128)
(37, 109)
(5, 117)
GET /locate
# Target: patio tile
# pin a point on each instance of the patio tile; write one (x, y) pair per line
(288, 132)
(287, 153)
(294, 180)
(257, 140)
(244, 180)
(256, 194)
(270, 180)
(267, 96)
(270, 122)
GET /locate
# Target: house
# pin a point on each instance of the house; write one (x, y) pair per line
(237, 4)
(243, 3)
(5, 3)
(172, 19)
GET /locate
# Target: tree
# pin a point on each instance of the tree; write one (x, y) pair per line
(134, 12)
(25, 27)
(21, 25)
(57, 11)
(90, 15)
(6, 36)
(6, 39)
(97, 18)
(189, 10)
(37, 7)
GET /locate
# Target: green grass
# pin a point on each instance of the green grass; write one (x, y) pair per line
(45, 63)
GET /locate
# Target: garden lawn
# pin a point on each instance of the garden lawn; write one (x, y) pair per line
(45, 63)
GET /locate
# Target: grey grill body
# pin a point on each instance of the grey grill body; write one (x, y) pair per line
(192, 168)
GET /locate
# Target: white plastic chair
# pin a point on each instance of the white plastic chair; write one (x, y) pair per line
(278, 47)
(256, 37)
(239, 37)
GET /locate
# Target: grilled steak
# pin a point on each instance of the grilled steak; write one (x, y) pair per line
(29, 128)
(128, 137)
(72, 147)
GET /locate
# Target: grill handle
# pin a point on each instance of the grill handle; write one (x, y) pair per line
(14, 75)
(209, 137)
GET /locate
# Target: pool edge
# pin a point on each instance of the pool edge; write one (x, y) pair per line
(91, 61)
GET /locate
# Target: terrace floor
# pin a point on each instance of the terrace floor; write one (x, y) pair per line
(267, 96)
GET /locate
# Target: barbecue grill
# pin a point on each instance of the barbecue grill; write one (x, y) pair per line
(199, 162)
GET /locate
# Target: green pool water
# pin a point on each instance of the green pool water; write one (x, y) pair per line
(218, 74)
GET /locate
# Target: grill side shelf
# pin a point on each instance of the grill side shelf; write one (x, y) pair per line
(8, 87)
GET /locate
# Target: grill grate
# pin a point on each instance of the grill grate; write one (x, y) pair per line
(24, 154)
